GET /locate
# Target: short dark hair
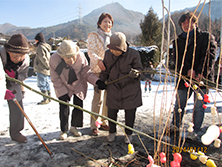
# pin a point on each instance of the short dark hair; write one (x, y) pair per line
(103, 16)
(185, 16)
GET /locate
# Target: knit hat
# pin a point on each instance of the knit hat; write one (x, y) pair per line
(40, 37)
(18, 43)
(67, 49)
(118, 42)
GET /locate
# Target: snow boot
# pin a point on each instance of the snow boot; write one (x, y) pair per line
(49, 94)
(45, 100)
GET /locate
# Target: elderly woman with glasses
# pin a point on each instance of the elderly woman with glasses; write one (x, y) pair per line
(15, 61)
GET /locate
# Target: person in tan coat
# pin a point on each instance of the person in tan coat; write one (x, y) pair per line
(120, 60)
(41, 66)
(97, 45)
(70, 72)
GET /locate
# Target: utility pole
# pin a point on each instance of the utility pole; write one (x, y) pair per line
(53, 37)
(80, 14)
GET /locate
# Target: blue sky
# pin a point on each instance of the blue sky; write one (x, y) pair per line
(44, 13)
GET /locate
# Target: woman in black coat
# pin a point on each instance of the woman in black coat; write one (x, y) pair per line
(198, 63)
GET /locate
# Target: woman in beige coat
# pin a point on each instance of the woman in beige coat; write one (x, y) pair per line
(97, 42)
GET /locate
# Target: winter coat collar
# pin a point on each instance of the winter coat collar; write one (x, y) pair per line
(183, 35)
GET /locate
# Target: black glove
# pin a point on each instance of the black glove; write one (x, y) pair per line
(134, 73)
(64, 98)
(101, 84)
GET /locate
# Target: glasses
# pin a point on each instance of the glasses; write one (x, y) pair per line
(17, 56)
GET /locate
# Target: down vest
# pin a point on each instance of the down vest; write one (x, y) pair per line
(125, 93)
(83, 73)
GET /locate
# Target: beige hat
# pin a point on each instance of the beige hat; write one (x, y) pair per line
(67, 49)
(118, 42)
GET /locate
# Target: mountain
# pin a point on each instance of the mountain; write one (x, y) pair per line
(126, 21)
(215, 11)
(7, 27)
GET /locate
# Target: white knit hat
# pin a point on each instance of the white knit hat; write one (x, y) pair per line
(67, 49)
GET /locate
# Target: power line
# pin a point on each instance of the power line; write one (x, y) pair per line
(55, 18)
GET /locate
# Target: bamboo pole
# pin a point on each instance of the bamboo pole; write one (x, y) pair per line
(29, 121)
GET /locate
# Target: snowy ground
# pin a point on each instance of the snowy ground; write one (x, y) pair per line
(49, 113)
(45, 118)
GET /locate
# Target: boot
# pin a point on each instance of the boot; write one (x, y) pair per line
(49, 94)
(45, 100)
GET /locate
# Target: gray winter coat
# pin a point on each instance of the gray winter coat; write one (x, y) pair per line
(22, 74)
(41, 62)
(125, 93)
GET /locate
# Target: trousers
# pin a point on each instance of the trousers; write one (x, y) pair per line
(129, 119)
(76, 117)
(198, 111)
(99, 107)
(43, 82)
(16, 119)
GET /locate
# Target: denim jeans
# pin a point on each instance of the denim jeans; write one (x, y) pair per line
(198, 111)
(43, 82)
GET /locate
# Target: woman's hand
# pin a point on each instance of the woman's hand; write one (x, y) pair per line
(101, 65)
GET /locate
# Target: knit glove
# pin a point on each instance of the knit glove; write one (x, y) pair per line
(101, 84)
(65, 97)
(134, 73)
(9, 95)
(10, 73)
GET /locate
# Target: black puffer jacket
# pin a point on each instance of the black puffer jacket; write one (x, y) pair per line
(204, 57)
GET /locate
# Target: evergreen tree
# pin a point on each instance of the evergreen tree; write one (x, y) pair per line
(151, 29)
(151, 35)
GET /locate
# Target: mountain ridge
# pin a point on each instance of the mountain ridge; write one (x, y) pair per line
(8, 27)
(125, 20)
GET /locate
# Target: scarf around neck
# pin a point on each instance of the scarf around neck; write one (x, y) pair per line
(106, 37)
(72, 75)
